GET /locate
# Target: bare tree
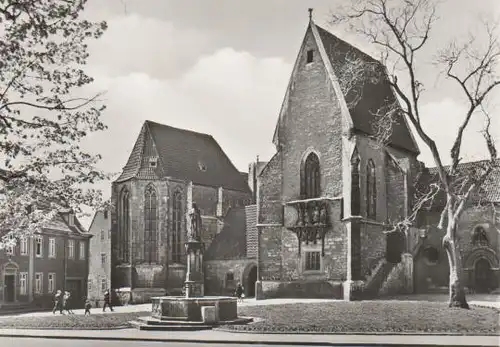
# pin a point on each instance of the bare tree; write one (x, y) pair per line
(45, 114)
(401, 29)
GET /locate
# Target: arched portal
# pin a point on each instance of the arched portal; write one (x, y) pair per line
(483, 275)
(249, 277)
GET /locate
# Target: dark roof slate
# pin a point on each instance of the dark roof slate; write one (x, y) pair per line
(489, 192)
(184, 154)
(231, 242)
(374, 96)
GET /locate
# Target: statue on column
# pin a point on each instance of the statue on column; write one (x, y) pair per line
(194, 233)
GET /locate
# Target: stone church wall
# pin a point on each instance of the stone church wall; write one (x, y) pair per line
(217, 281)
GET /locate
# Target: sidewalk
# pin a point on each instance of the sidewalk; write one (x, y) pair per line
(147, 307)
(214, 336)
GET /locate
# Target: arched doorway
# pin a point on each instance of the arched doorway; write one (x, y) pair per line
(482, 274)
(250, 282)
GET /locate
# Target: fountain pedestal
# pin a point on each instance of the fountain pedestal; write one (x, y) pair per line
(190, 312)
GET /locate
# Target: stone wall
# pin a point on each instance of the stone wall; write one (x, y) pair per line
(373, 246)
(311, 122)
(435, 275)
(216, 276)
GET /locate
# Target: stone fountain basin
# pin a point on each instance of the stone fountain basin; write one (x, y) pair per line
(179, 308)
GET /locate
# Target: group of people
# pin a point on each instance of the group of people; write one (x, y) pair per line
(63, 302)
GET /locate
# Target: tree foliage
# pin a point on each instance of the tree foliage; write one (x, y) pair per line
(401, 29)
(45, 113)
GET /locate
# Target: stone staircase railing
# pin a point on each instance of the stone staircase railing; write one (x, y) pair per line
(379, 275)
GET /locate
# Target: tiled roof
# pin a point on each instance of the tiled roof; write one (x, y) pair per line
(490, 190)
(374, 96)
(59, 224)
(186, 155)
(231, 242)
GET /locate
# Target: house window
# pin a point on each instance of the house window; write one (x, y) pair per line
(150, 226)
(89, 285)
(23, 283)
(103, 259)
(52, 248)
(105, 214)
(38, 282)
(311, 177)
(371, 191)
(124, 226)
(229, 276)
(313, 261)
(310, 56)
(177, 228)
(82, 250)
(102, 234)
(24, 246)
(71, 249)
(39, 246)
(104, 285)
(479, 237)
(51, 281)
(10, 249)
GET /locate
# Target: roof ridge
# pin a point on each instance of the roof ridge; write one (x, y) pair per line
(349, 44)
(176, 128)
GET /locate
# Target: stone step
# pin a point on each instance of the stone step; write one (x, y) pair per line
(169, 327)
(156, 321)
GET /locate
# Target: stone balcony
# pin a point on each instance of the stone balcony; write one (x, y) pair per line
(308, 219)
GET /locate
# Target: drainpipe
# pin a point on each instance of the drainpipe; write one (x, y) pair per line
(31, 267)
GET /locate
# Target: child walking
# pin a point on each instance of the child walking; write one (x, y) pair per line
(88, 306)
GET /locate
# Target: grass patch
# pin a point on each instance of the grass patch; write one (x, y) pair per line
(74, 322)
(370, 317)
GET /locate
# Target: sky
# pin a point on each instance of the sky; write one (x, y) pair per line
(222, 66)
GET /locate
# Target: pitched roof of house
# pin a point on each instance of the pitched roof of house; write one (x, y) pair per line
(60, 225)
(183, 154)
(231, 242)
(489, 191)
(372, 96)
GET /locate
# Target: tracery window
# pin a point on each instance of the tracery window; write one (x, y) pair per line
(150, 226)
(310, 180)
(371, 191)
(124, 226)
(177, 228)
(479, 237)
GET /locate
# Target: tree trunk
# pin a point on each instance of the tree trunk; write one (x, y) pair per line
(456, 287)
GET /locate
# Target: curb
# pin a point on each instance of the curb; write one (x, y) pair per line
(214, 341)
(363, 333)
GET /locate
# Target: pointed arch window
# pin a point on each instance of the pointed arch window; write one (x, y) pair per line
(479, 237)
(311, 177)
(177, 228)
(371, 191)
(355, 189)
(124, 226)
(150, 225)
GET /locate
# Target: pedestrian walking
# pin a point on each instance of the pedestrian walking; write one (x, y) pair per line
(58, 297)
(107, 301)
(88, 306)
(239, 292)
(67, 302)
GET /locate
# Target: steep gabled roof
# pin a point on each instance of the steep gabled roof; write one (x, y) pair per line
(372, 96)
(231, 242)
(488, 192)
(186, 155)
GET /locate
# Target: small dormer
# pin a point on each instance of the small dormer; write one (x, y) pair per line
(153, 162)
